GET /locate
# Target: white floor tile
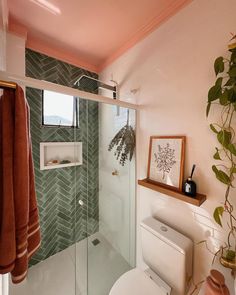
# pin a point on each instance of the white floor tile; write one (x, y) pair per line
(67, 274)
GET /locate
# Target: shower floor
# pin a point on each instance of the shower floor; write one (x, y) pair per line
(56, 275)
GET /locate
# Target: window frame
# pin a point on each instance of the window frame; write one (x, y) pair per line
(75, 119)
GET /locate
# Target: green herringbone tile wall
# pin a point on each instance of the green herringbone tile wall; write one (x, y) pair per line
(62, 220)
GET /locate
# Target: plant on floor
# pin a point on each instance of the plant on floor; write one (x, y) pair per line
(223, 96)
(124, 143)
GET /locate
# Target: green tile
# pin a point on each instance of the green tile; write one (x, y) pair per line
(62, 220)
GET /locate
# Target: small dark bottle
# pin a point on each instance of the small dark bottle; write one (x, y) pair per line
(190, 187)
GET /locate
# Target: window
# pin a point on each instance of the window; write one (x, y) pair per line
(59, 109)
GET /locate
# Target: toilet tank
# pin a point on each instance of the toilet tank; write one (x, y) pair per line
(168, 253)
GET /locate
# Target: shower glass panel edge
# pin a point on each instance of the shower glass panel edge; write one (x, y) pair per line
(81, 203)
(111, 248)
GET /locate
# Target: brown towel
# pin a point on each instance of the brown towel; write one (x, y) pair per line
(19, 220)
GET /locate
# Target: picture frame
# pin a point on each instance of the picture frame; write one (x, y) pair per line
(166, 161)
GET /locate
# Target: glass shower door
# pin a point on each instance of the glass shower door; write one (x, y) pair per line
(111, 246)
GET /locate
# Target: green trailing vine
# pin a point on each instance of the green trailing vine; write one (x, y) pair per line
(223, 94)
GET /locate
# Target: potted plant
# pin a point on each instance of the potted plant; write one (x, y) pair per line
(223, 94)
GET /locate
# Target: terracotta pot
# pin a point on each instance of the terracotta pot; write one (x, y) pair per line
(215, 284)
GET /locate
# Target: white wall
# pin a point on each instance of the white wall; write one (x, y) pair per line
(173, 69)
(2, 50)
(15, 54)
(3, 24)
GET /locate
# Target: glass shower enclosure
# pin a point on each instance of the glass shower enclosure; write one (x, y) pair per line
(85, 180)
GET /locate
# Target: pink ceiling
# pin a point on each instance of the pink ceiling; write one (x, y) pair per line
(88, 33)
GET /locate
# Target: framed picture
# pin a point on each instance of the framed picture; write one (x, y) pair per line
(166, 160)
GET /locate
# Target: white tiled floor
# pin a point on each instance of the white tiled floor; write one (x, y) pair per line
(56, 275)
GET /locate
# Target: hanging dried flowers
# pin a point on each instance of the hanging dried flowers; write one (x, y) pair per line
(124, 143)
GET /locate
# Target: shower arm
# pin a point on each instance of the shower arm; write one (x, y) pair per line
(101, 84)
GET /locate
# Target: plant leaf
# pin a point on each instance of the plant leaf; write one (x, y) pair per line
(221, 175)
(208, 108)
(233, 170)
(233, 57)
(230, 82)
(218, 214)
(214, 169)
(224, 97)
(219, 81)
(214, 93)
(232, 72)
(217, 155)
(213, 128)
(219, 65)
(231, 95)
(231, 147)
(233, 98)
(224, 137)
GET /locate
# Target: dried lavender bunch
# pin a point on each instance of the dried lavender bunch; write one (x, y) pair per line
(124, 144)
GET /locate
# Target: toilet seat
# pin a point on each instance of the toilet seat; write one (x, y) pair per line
(136, 282)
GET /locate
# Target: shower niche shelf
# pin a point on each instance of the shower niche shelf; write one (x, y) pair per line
(197, 201)
(58, 152)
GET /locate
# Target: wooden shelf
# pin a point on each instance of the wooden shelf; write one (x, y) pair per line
(197, 201)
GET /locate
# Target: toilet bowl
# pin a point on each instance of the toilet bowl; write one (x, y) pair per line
(139, 282)
(168, 255)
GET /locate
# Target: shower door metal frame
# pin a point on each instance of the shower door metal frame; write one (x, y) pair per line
(40, 84)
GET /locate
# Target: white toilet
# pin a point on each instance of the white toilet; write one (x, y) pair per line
(168, 254)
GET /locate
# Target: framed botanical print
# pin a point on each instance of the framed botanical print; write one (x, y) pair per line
(166, 161)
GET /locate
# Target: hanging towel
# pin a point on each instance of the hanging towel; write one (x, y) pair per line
(19, 219)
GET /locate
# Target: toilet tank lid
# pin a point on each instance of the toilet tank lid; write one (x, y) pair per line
(167, 234)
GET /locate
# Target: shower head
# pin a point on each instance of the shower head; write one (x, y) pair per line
(84, 81)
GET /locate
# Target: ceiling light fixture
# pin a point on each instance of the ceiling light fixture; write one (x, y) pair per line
(47, 5)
